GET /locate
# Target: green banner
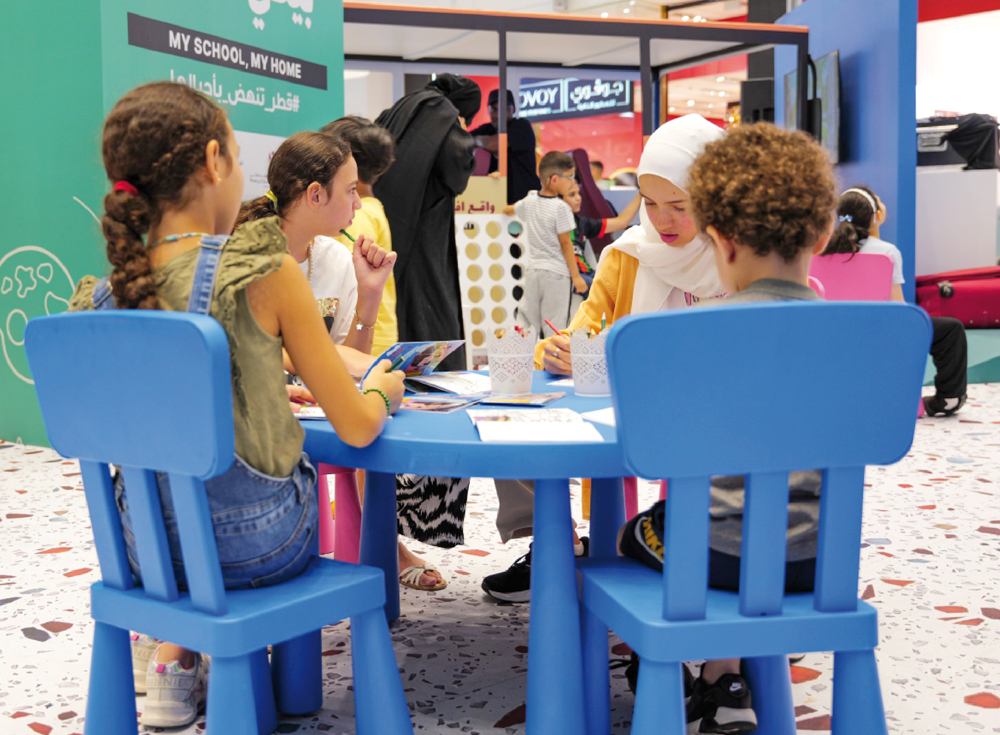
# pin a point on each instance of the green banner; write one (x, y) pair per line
(275, 66)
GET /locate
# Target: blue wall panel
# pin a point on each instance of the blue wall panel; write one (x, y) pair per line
(877, 42)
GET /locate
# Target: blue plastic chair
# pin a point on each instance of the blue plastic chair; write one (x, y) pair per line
(150, 391)
(755, 390)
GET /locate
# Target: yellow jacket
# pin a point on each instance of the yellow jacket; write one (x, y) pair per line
(370, 220)
(610, 296)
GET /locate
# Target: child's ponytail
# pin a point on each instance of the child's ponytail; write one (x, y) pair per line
(154, 144)
(299, 161)
(855, 212)
(126, 219)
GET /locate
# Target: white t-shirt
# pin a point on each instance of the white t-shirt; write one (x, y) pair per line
(881, 247)
(333, 284)
(545, 218)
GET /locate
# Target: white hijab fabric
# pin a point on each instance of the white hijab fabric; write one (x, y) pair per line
(669, 154)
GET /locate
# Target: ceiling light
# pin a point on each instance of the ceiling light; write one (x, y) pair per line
(604, 15)
(722, 94)
(710, 105)
(631, 2)
(686, 17)
(697, 18)
(690, 103)
(671, 109)
(625, 10)
(711, 92)
(720, 79)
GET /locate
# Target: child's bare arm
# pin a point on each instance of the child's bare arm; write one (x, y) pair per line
(508, 210)
(282, 303)
(622, 221)
(566, 244)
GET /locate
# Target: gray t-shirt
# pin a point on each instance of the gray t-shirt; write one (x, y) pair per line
(545, 218)
(804, 487)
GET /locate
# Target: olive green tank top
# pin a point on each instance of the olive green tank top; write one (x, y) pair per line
(268, 437)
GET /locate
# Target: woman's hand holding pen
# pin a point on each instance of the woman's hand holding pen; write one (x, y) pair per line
(558, 360)
(372, 265)
(382, 377)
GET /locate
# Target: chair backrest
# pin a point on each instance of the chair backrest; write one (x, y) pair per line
(149, 391)
(761, 390)
(594, 205)
(854, 276)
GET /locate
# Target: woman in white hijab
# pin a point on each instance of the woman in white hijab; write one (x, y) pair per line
(664, 263)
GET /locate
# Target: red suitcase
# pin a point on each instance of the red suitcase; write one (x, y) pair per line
(972, 296)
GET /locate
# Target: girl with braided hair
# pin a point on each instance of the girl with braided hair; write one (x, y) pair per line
(174, 164)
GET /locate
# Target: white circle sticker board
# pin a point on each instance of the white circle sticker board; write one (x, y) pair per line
(491, 261)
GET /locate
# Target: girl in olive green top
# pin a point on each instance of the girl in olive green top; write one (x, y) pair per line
(174, 162)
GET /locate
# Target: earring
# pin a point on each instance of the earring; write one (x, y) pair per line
(218, 179)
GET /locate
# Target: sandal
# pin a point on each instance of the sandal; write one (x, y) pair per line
(410, 577)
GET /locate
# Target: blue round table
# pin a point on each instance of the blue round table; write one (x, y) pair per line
(448, 445)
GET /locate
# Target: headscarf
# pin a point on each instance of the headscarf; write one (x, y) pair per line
(669, 154)
(464, 93)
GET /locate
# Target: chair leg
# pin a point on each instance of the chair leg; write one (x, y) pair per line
(379, 703)
(596, 689)
(663, 489)
(857, 695)
(263, 692)
(111, 696)
(297, 666)
(771, 694)
(231, 690)
(348, 539)
(631, 497)
(659, 700)
(327, 530)
(607, 516)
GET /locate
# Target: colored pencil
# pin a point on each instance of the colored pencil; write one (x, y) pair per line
(345, 234)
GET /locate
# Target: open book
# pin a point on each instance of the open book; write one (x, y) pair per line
(531, 426)
(416, 358)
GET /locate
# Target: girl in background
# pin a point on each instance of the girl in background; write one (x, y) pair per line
(173, 160)
(860, 213)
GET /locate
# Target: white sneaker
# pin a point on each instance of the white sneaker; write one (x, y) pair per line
(142, 650)
(174, 695)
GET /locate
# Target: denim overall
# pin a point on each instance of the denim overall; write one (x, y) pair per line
(265, 527)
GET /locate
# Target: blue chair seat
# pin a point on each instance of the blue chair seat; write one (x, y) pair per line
(327, 592)
(628, 596)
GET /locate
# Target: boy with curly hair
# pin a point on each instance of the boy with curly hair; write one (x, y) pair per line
(765, 197)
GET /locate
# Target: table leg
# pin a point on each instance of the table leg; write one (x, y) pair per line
(607, 514)
(378, 535)
(555, 661)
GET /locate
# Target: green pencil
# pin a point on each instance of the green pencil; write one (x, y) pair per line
(344, 233)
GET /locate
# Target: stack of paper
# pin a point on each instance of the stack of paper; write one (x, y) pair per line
(530, 426)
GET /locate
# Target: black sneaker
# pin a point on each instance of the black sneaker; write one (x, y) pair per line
(631, 666)
(514, 585)
(938, 406)
(722, 708)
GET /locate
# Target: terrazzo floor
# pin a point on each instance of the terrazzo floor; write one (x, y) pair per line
(930, 563)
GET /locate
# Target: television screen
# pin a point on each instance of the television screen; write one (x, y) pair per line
(826, 128)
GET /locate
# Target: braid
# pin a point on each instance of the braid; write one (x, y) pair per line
(126, 219)
(154, 138)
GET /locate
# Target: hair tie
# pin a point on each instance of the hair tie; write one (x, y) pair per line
(866, 195)
(126, 187)
(846, 218)
(274, 200)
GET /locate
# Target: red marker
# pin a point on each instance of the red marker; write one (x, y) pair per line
(553, 327)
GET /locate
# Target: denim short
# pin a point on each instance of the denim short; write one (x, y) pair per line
(265, 527)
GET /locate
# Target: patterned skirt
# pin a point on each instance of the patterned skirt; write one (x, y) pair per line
(432, 509)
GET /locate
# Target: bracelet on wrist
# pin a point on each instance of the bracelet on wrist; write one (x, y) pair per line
(388, 405)
(358, 324)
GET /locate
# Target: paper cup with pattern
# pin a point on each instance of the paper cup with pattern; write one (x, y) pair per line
(512, 361)
(590, 364)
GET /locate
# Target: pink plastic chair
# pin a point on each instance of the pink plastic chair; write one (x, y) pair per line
(853, 277)
(858, 277)
(632, 496)
(344, 537)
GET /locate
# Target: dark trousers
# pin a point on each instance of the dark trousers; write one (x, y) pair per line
(950, 354)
